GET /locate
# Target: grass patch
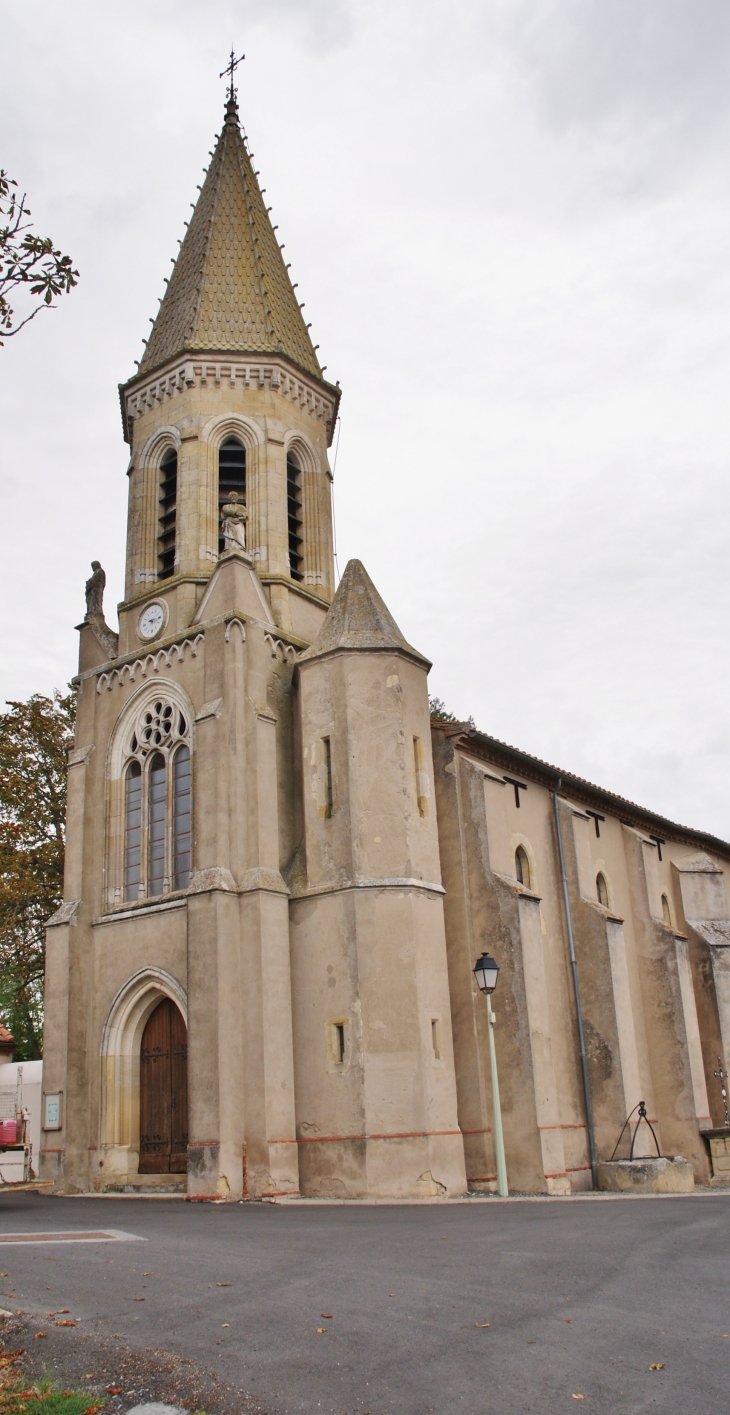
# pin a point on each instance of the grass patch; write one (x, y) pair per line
(17, 1397)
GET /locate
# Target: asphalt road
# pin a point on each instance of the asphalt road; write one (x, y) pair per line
(581, 1299)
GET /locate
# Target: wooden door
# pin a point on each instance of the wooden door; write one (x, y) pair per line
(163, 1087)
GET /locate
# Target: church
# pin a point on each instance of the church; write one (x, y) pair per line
(281, 870)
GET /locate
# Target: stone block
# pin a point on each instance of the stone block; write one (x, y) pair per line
(720, 1155)
(647, 1176)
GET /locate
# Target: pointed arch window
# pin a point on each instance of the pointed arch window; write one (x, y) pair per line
(294, 512)
(167, 516)
(133, 831)
(158, 803)
(667, 912)
(231, 475)
(602, 890)
(181, 817)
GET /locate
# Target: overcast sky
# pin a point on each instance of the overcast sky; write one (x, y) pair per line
(510, 222)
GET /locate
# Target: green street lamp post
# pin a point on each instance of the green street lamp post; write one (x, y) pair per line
(486, 973)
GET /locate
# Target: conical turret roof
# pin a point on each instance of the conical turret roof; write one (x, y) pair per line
(358, 618)
(230, 290)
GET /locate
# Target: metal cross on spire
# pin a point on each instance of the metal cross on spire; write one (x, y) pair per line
(230, 69)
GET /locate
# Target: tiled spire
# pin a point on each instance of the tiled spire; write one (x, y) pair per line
(230, 291)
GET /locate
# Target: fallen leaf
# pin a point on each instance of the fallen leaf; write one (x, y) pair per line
(64, 1309)
(391, 1294)
(320, 1331)
(223, 1284)
(579, 1397)
(39, 1334)
(18, 1313)
(113, 1390)
(327, 1315)
(12, 1294)
(567, 1320)
(225, 1324)
(138, 1299)
(725, 1334)
(64, 1324)
(657, 1366)
(482, 1324)
(154, 1274)
(3, 1274)
(89, 1376)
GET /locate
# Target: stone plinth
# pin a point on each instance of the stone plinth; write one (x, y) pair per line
(719, 1142)
(647, 1176)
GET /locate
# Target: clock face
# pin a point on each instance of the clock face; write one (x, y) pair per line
(151, 621)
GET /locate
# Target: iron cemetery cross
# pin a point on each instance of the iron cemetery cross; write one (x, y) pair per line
(721, 1075)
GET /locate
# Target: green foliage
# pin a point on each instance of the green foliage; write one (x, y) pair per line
(28, 263)
(440, 712)
(34, 738)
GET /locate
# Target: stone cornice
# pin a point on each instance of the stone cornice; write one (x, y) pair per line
(282, 645)
(197, 370)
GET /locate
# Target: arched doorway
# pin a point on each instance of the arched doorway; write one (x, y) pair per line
(163, 1092)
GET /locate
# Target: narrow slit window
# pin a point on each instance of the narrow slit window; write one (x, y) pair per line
(340, 1043)
(328, 777)
(181, 818)
(133, 832)
(602, 890)
(167, 531)
(667, 912)
(231, 475)
(422, 786)
(436, 1038)
(522, 867)
(157, 794)
(294, 512)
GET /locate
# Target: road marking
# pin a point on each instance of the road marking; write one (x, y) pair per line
(98, 1235)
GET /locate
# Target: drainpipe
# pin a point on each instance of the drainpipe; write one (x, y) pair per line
(574, 966)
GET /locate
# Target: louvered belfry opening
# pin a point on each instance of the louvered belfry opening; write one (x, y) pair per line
(294, 508)
(231, 475)
(167, 516)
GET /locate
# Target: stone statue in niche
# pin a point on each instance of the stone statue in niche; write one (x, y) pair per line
(233, 524)
(95, 591)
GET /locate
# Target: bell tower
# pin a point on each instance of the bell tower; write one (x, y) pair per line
(229, 394)
(246, 984)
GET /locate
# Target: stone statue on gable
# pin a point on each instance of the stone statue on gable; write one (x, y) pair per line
(95, 591)
(233, 523)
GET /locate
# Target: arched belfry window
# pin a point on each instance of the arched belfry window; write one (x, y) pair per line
(602, 890)
(167, 516)
(158, 823)
(667, 912)
(294, 512)
(522, 867)
(231, 475)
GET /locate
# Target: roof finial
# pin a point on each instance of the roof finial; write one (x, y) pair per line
(230, 69)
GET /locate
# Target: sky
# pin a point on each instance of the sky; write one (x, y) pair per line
(510, 223)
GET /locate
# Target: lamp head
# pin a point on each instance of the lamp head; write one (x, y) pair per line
(486, 973)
